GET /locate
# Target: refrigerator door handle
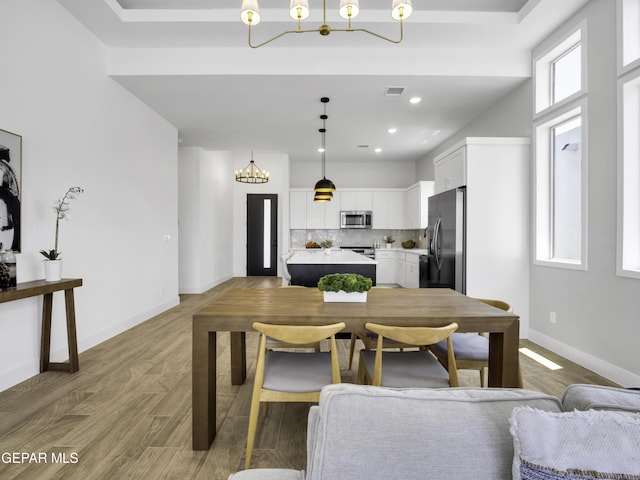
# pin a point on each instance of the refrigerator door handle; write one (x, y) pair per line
(437, 242)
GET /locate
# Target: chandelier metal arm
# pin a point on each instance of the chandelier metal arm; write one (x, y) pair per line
(317, 30)
(278, 36)
(382, 37)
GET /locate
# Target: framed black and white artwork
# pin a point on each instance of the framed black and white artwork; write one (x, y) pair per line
(10, 189)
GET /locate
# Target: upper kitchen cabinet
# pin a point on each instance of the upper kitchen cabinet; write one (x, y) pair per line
(304, 213)
(356, 200)
(388, 209)
(450, 169)
(417, 204)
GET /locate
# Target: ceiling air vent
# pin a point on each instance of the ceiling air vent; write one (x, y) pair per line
(394, 91)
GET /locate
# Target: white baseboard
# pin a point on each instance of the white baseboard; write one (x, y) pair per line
(204, 288)
(612, 372)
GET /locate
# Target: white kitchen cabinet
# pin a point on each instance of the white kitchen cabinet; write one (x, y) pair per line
(400, 268)
(385, 272)
(356, 200)
(304, 213)
(298, 210)
(417, 204)
(450, 170)
(388, 209)
(496, 174)
(412, 270)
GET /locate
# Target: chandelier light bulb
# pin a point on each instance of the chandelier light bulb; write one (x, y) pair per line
(349, 9)
(401, 9)
(250, 12)
(299, 9)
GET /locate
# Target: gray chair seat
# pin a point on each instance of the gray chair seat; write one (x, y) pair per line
(408, 369)
(296, 372)
(468, 346)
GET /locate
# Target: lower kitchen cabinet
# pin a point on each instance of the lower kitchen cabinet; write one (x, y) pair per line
(412, 270)
(386, 271)
(400, 268)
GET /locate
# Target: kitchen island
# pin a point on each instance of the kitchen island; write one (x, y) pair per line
(308, 266)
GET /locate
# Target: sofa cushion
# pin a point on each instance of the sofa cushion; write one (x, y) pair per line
(597, 397)
(268, 474)
(575, 445)
(382, 433)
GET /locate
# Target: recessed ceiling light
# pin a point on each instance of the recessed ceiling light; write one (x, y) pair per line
(378, 150)
(392, 130)
(415, 100)
(321, 149)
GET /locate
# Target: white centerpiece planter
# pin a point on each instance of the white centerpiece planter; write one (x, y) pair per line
(344, 297)
(52, 270)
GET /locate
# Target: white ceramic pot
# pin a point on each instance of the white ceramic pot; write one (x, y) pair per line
(52, 270)
(388, 245)
(344, 297)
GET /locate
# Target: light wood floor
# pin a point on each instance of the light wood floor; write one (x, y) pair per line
(127, 413)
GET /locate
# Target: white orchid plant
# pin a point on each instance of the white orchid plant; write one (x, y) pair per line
(61, 207)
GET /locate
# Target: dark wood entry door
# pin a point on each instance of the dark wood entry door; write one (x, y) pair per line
(262, 234)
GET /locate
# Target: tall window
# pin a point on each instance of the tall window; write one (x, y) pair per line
(628, 258)
(560, 164)
(566, 192)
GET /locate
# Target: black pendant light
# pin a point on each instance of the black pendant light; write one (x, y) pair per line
(324, 187)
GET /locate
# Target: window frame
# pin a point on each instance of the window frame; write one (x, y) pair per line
(628, 34)
(543, 201)
(628, 242)
(542, 68)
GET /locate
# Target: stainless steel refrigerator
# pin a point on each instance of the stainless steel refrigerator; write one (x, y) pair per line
(445, 265)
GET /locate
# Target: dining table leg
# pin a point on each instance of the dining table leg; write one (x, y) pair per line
(238, 357)
(203, 387)
(503, 357)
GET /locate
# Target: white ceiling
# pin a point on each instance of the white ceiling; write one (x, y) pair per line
(189, 61)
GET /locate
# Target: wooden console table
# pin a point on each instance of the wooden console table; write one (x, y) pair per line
(42, 287)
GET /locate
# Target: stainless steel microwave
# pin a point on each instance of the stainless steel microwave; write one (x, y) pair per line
(355, 219)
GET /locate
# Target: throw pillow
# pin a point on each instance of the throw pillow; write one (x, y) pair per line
(578, 445)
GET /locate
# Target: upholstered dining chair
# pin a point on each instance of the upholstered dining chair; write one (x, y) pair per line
(291, 376)
(471, 349)
(414, 368)
(368, 339)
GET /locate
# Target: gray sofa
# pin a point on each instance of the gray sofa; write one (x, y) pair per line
(362, 432)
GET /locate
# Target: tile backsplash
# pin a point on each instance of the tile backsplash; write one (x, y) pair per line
(355, 237)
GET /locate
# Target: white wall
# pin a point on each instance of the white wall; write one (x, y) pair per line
(206, 187)
(80, 128)
(597, 312)
(277, 165)
(355, 174)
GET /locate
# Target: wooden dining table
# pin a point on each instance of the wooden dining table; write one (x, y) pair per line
(236, 311)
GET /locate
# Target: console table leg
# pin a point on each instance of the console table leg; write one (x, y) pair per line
(72, 339)
(45, 340)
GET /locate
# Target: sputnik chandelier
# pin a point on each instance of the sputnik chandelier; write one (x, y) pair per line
(324, 187)
(299, 11)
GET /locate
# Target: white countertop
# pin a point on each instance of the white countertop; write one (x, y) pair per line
(318, 256)
(415, 251)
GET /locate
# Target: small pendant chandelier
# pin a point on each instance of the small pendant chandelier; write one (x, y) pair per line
(252, 174)
(324, 187)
